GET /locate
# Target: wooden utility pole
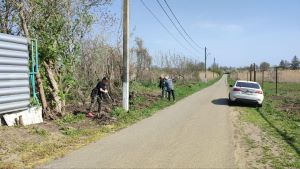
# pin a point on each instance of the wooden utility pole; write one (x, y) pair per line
(205, 61)
(125, 55)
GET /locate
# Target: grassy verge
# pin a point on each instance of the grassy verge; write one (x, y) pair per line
(279, 119)
(28, 147)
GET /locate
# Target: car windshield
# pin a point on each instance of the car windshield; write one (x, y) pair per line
(248, 85)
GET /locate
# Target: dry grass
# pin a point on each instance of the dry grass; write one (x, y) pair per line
(209, 75)
(289, 76)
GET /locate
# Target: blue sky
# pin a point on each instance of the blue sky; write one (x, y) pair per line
(236, 32)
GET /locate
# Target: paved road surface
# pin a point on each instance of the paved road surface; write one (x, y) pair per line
(194, 133)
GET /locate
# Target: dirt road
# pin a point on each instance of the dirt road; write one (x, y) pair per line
(196, 132)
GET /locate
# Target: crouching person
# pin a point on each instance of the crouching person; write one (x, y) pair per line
(98, 94)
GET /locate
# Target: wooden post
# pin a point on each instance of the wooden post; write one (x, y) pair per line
(263, 79)
(251, 72)
(247, 76)
(254, 72)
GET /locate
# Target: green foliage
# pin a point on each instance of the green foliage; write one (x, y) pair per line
(69, 131)
(264, 66)
(70, 118)
(295, 64)
(139, 87)
(40, 131)
(34, 102)
(284, 64)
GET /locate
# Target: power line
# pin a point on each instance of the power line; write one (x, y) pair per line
(169, 32)
(182, 26)
(181, 34)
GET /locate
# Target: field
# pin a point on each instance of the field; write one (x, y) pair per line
(31, 146)
(279, 120)
(209, 75)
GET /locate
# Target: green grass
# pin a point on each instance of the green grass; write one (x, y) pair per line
(280, 121)
(70, 118)
(40, 131)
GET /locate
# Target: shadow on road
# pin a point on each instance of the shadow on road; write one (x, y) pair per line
(224, 101)
(221, 101)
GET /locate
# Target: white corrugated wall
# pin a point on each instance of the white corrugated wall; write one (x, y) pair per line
(14, 74)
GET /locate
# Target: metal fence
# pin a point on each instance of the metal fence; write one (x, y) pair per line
(14, 74)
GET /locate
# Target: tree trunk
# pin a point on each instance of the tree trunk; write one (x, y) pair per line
(38, 76)
(7, 13)
(55, 92)
(42, 94)
(23, 19)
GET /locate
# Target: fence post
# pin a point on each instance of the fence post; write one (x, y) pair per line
(254, 72)
(276, 79)
(247, 76)
(251, 72)
(263, 79)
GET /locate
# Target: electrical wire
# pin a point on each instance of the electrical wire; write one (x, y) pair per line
(181, 34)
(167, 30)
(181, 25)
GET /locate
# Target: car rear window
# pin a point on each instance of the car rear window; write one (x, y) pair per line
(248, 85)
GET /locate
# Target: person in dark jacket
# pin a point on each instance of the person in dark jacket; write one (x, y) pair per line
(162, 86)
(98, 93)
(170, 88)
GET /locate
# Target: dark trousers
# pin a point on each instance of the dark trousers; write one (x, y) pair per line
(93, 101)
(96, 97)
(163, 92)
(171, 92)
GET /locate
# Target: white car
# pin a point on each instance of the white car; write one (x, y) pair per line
(246, 91)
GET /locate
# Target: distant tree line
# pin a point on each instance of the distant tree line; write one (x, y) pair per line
(294, 64)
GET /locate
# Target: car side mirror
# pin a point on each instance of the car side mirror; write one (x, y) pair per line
(230, 85)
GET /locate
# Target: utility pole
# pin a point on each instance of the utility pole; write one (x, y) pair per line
(125, 55)
(205, 61)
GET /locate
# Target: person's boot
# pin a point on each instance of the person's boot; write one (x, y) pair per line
(90, 114)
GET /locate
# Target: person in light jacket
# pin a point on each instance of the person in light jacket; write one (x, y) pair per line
(170, 88)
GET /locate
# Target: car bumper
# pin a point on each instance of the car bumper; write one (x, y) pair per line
(247, 99)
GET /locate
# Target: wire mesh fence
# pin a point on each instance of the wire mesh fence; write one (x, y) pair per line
(275, 76)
